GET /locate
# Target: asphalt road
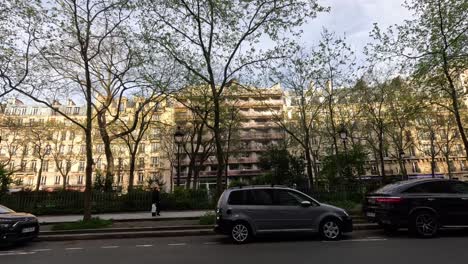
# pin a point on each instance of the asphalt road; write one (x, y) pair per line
(362, 247)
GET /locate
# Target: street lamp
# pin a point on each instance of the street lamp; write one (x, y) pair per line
(343, 135)
(178, 138)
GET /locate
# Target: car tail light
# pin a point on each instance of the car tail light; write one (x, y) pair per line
(389, 200)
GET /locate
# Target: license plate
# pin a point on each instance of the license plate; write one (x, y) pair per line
(370, 214)
(28, 230)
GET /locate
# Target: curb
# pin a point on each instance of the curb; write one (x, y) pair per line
(90, 236)
(133, 220)
(125, 229)
(173, 231)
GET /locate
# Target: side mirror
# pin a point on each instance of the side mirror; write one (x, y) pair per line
(305, 204)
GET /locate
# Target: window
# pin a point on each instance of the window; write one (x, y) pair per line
(64, 135)
(141, 148)
(237, 198)
(154, 147)
(81, 166)
(140, 178)
(82, 149)
(141, 162)
(62, 149)
(262, 197)
(431, 187)
(76, 110)
(80, 179)
(72, 135)
(35, 111)
(284, 197)
(57, 180)
(45, 165)
(460, 187)
(154, 162)
(415, 167)
(43, 180)
(33, 165)
(23, 165)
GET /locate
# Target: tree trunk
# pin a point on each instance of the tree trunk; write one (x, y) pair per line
(131, 173)
(196, 174)
(447, 161)
(190, 171)
(309, 167)
(381, 156)
(110, 169)
(218, 143)
(39, 175)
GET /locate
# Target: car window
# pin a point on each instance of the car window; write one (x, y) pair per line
(4, 210)
(460, 187)
(284, 197)
(236, 198)
(431, 187)
(262, 197)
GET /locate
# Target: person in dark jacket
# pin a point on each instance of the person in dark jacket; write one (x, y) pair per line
(156, 200)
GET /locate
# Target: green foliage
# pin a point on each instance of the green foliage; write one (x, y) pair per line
(5, 180)
(101, 182)
(237, 183)
(93, 223)
(284, 168)
(343, 168)
(209, 218)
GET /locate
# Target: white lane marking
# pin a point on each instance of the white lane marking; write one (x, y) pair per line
(144, 245)
(376, 237)
(41, 250)
(211, 243)
(177, 244)
(73, 248)
(358, 240)
(17, 253)
(108, 247)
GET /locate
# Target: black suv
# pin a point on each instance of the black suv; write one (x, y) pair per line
(17, 227)
(421, 205)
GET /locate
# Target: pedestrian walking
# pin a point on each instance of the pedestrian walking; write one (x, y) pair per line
(156, 200)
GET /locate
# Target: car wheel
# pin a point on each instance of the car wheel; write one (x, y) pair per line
(425, 224)
(330, 229)
(240, 233)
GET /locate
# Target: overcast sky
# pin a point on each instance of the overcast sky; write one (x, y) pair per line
(355, 18)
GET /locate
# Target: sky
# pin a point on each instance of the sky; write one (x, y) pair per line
(355, 19)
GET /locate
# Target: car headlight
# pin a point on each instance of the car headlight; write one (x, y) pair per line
(5, 226)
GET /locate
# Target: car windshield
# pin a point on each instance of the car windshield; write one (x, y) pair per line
(390, 188)
(5, 210)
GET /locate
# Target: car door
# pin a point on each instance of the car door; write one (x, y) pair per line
(261, 210)
(460, 190)
(288, 210)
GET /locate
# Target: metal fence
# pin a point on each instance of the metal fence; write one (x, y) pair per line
(41, 203)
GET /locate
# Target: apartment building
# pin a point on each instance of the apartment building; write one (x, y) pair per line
(36, 138)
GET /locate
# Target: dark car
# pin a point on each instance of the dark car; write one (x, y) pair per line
(423, 206)
(17, 227)
(243, 213)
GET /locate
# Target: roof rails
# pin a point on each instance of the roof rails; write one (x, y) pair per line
(259, 186)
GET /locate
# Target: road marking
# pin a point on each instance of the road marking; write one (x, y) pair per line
(41, 250)
(358, 240)
(17, 253)
(375, 237)
(367, 239)
(109, 247)
(144, 245)
(177, 244)
(73, 248)
(211, 243)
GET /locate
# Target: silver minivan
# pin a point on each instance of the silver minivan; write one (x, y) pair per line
(244, 212)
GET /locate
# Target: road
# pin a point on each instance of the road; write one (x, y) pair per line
(362, 247)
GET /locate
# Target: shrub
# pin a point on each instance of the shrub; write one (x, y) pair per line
(209, 218)
(94, 223)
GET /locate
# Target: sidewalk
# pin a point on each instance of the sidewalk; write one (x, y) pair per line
(124, 216)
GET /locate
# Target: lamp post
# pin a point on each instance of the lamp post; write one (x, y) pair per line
(343, 135)
(178, 138)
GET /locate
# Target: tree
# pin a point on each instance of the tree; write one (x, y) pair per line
(433, 46)
(70, 43)
(63, 154)
(284, 168)
(298, 76)
(19, 22)
(217, 41)
(40, 137)
(351, 163)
